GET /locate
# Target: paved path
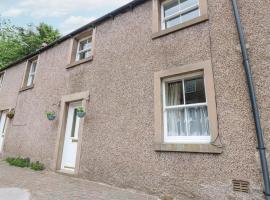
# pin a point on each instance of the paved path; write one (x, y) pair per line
(25, 184)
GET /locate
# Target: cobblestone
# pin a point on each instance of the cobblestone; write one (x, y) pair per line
(47, 185)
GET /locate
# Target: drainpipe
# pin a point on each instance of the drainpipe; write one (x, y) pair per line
(253, 100)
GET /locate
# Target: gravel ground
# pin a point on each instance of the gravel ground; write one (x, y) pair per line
(25, 184)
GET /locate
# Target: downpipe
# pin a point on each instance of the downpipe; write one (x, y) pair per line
(252, 94)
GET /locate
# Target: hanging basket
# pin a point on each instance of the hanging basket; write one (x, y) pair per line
(51, 116)
(80, 112)
(11, 113)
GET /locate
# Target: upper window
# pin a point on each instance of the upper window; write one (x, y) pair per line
(1, 78)
(84, 48)
(173, 15)
(185, 110)
(174, 12)
(32, 73)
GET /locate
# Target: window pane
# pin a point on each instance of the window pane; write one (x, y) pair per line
(184, 4)
(198, 124)
(30, 80)
(85, 44)
(84, 55)
(172, 22)
(34, 65)
(1, 79)
(176, 124)
(74, 123)
(194, 91)
(174, 94)
(171, 8)
(190, 15)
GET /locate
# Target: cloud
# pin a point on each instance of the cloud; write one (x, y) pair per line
(74, 22)
(56, 8)
(13, 12)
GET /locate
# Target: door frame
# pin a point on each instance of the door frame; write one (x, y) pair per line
(64, 105)
(2, 148)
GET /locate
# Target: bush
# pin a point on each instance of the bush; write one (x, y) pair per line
(25, 162)
(19, 162)
(37, 166)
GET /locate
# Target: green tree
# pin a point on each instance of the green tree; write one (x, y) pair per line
(17, 42)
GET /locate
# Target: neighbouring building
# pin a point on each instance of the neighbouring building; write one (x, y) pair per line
(165, 94)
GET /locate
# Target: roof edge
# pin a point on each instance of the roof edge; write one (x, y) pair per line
(110, 15)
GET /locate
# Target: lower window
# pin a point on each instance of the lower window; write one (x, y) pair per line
(185, 111)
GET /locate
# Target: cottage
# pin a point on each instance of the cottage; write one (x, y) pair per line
(165, 93)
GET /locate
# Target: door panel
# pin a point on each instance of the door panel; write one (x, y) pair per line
(71, 138)
(3, 123)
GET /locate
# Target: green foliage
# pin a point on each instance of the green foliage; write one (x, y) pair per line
(80, 109)
(50, 113)
(25, 162)
(37, 166)
(19, 162)
(17, 42)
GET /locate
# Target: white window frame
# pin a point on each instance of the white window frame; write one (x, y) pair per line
(183, 139)
(84, 50)
(2, 74)
(31, 73)
(179, 13)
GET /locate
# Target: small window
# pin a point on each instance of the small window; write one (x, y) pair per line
(174, 12)
(185, 110)
(32, 73)
(1, 78)
(84, 48)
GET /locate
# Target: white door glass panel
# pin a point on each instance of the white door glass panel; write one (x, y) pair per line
(3, 123)
(71, 138)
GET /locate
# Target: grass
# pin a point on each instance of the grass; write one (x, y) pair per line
(25, 163)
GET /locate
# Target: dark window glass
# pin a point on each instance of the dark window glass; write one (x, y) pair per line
(74, 123)
(194, 91)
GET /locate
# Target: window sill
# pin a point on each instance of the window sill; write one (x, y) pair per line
(197, 20)
(74, 64)
(192, 148)
(26, 88)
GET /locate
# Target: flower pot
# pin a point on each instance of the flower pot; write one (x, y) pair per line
(81, 114)
(10, 114)
(51, 117)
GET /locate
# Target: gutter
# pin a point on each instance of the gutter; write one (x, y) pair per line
(252, 94)
(92, 24)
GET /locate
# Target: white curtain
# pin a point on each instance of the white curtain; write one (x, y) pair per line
(197, 122)
(174, 94)
(197, 118)
(176, 123)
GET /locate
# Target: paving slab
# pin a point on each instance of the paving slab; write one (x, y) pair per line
(25, 184)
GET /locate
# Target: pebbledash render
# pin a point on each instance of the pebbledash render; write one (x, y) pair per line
(165, 95)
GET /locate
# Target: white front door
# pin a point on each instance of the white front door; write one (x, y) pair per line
(71, 138)
(3, 122)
